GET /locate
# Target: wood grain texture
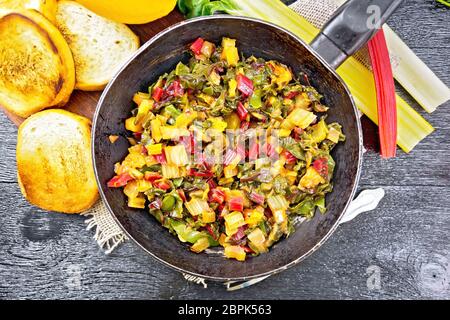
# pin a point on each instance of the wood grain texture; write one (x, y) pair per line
(406, 238)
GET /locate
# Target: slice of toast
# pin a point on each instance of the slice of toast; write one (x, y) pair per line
(46, 7)
(36, 65)
(54, 162)
(99, 46)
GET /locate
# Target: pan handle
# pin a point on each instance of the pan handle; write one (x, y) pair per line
(351, 27)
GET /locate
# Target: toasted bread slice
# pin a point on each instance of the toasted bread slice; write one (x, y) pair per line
(36, 66)
(54, 161)
(46, 7)
(99, 46)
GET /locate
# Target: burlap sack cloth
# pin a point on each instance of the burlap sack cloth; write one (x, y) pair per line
(107, 233)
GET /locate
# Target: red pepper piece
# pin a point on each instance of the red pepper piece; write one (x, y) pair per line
(217, 195)
(203, 174)
(242, 112)
(212, 184)
(321, 166)
(120, 180)
(152, 176)
(181, 194)
(162, 184)
(200, 173)
(244, 85)
(157, 94)
(289, 157)
(236, 204)
(196, 47)
(175, 89)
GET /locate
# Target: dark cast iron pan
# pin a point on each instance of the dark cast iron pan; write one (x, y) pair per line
(346, 32)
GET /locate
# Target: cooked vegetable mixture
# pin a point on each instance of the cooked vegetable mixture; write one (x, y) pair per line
(227, 151)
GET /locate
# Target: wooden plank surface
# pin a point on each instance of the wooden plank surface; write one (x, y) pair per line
(405, 240)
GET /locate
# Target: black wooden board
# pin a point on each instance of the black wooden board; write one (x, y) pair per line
(405, 240)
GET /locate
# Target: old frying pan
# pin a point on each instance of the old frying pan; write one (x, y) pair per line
(346, 32)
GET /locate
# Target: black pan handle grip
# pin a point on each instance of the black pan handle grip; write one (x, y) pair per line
(351, 27)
